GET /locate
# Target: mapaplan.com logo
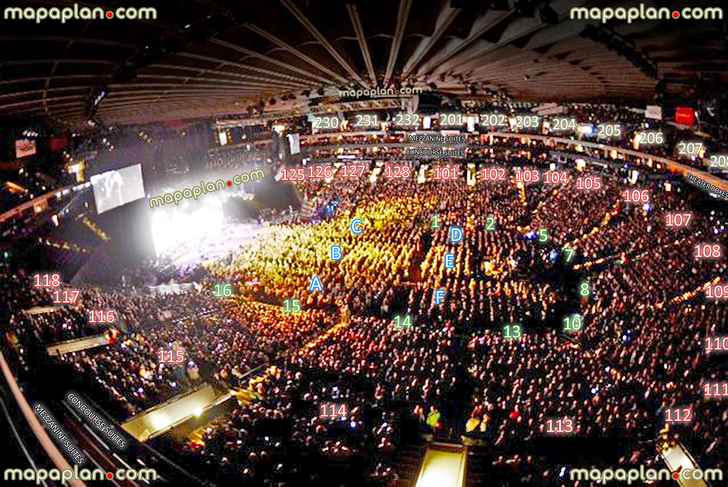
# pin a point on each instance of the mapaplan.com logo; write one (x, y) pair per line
(64, 14)
(642, 12)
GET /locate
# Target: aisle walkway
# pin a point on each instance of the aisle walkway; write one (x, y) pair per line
(443, 466)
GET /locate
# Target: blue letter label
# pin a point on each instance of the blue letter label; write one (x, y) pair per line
(335, 253)
(456, 234)
(316, 285)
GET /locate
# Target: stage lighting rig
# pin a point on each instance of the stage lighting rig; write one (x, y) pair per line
(95, 97)
(547, 14)
(623, 47)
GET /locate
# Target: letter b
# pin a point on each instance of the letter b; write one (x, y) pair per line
(335, 253)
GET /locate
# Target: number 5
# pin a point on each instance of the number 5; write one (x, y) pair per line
(543, 235)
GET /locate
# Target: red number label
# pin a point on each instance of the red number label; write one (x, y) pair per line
(396, 171)
(494, 174)
(172, 356)
(528, 176)
(555, 177)
(717, 291)
(708, 251)
(101, 316)
(678, 220)
(293, 174)
(560, 426)
(640, 196)
(678, 415)
(67, 296)
(46, 280)
(330, 410)
(446, 173)
(715, 390)
(353, 170)
(716, 344)
(320, 171)
(589, 183)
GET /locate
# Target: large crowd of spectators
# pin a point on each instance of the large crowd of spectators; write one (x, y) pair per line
(379, 337)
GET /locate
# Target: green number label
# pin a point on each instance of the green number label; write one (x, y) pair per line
(569, 254)
(512, 332)
(584, 290)
(543, 235)
(291, 306)
(573, 323)
(402, 321)
(490, 224)
(222, 290)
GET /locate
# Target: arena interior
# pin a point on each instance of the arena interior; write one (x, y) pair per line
(343, 243)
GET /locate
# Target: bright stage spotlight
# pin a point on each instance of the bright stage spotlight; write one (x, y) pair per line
(174, 226)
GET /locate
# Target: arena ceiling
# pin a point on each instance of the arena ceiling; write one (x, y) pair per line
(204, 57)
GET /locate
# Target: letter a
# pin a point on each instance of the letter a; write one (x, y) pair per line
(315, 285)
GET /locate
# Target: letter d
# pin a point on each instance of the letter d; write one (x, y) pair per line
(456, 235)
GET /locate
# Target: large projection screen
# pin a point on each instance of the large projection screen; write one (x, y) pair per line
(116, 188)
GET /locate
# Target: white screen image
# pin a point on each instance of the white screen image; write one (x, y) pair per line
(295, 142)
(116, 188)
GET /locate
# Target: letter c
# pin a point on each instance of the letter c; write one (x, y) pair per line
(356, 226)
